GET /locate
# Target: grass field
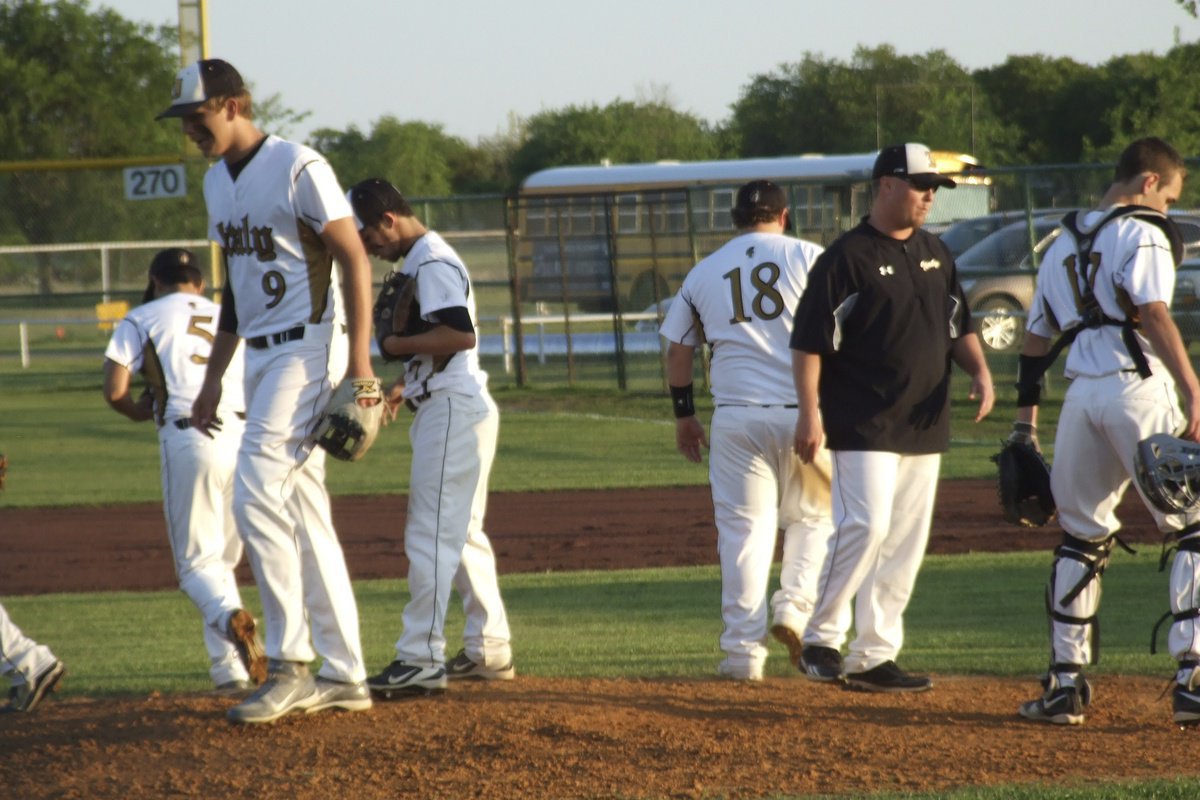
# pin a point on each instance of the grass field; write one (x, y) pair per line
(974, 614)
(67, 447)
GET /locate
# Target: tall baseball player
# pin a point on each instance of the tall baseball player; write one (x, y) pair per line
(453, 435)
(740, 300)
(169, 339)
(32, 668)
(281, 219)
(1109, 277)
(877, 328)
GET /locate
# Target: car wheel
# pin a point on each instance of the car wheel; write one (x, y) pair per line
(1000, 322)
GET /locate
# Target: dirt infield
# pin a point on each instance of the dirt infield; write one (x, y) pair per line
(536, 737)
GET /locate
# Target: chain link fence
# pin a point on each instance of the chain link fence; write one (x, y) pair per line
(570, 288)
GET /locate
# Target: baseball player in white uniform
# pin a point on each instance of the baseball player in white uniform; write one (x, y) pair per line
(169, 339)
(453, 435)
(32, 667)
(1110, 276)
(740, 300)
(281, 219)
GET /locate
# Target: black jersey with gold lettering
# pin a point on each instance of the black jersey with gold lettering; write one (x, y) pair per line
(883, 315)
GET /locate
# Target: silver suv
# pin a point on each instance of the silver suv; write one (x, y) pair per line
(999, 273)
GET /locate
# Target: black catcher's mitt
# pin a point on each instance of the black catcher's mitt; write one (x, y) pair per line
(397, 311)
(1025, 492)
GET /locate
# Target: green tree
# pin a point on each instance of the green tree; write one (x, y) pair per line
(419, 157)
(1051, 106)
(1190, 6)
(621, 132)
(830, 106)
(76, 84)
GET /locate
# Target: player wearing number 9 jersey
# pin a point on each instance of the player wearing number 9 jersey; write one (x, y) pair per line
(281, 219)
(740, 301)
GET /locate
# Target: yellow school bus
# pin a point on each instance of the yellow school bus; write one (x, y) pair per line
(622, 236)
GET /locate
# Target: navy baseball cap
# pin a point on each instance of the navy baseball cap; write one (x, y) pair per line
(912, 162)
(200, 82)
(761, 195)
(371, 198)
(175, 265)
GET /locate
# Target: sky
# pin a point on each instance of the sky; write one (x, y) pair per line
(471, 65)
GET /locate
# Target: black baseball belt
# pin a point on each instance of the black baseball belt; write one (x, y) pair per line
(263, 342)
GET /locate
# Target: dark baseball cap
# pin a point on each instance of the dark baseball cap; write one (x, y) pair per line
(371, 198)
(912, 162)
(760, 195)
(175, 265)
(199, 82)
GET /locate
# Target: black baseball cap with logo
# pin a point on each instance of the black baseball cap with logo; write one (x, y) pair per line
(755, 197)
(171, 267)
(371, 198)
(199, 82)
(912, 162)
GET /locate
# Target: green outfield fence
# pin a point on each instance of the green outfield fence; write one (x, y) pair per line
(570, 288)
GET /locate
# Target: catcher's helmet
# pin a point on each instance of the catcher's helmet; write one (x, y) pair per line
(1168, 470)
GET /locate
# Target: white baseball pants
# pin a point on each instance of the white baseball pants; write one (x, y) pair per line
(759, 486)
(882, 510)
(453, 440)
(1101, 422)
(283, 511)
(197, 482)
(21, 658)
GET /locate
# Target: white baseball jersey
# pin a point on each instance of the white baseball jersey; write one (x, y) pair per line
(442, 282)
(751, 282)
(1134, 260)
(741, 299)
(268, 223)
(174, 334)
(171, 338)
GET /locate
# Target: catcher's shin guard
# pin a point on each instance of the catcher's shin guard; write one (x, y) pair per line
(1184, 589)
(1073, 597)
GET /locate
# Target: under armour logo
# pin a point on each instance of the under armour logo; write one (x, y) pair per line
(750, 252)
(887, 269)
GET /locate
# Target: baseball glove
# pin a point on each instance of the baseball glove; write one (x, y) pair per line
(346, 429)
(397, 311)
(1024, 488)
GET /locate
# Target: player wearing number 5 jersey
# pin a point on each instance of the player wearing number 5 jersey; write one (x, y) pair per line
(281, 219)
(740, 300)
(168, 339)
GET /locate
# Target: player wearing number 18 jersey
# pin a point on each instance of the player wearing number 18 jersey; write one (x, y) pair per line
(740, 300)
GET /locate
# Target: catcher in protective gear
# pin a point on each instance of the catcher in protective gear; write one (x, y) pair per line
(1024, 486)
(1168, 470)
(397, 312)
(346, 429)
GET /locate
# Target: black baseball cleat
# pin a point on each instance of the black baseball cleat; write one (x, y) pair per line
(887, 677)
(400, 679)
(1060, 705)
(1186, 705)
(822, 664)
(26, 696)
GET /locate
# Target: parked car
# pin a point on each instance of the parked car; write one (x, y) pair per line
(999, 273)
(1185, 306)
(960, 235)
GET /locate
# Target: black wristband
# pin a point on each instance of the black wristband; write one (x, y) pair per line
(683, 401)
(1029, 388)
